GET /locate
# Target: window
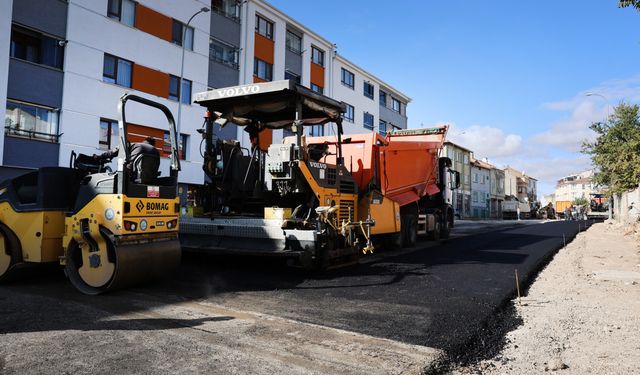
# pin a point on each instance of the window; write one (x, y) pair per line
(122, 10)
(186, 91)
(475, 196)
(174, 88)
(228, 8)
(395, 105)
(262, 69)
(182, 146)
(383, 98)
(349, 114)
(317, 56)
(291, 76)
(316, 88)
(117, 70)
(368, 90)
(348, 78)
(35, 47)
(294, 42)
(465, 159)
(177, 31)
(264, 27)
(382, 127)
(31, 120)
(108, 134)
(316, 131)
(223, 53)
(475, 177)
(367, 121)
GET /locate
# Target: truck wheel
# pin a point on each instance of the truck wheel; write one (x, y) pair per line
(394, 241)
(445, 230)
(409, 228)
(435, 235)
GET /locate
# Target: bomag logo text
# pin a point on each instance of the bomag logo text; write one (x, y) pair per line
(157, 206)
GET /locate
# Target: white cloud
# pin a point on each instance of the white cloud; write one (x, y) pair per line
(569, 132)
(486, 141)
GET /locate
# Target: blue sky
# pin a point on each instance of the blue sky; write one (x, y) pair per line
(509, 76)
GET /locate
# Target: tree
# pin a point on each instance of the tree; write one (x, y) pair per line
(627, 3)
(580, 201)
(616, 150)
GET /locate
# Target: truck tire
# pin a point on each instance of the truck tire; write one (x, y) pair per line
(445, 230)
(409, 228)
(435, 234)
(393, 241)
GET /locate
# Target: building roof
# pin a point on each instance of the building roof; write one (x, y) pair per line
(456, 145)
(481, 163)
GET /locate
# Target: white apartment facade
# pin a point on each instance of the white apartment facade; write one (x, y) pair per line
(91, 52)
(578, 185)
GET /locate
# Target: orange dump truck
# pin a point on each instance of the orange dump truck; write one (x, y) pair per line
(406, 187)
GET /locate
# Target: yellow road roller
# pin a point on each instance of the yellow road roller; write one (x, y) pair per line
(109, 229)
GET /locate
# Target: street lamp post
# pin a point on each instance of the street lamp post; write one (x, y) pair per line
(184, 35)
(608, 115)
(603, 97)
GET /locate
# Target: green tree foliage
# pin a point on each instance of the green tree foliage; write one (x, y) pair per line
(629, 3)
(580, 201)
(616, 150)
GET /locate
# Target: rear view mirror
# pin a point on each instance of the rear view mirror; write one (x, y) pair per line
(455, 179)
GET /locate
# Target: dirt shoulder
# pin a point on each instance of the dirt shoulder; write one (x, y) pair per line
(582, 313)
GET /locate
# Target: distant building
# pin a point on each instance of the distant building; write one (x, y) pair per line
(480, 189)
(461, 158)
(519, 185)
(578, 185)
(497, 193)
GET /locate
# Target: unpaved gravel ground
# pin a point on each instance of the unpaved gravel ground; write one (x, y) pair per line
(582, 313)
(145, 336)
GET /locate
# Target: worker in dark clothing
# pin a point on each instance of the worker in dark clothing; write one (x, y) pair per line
(147, 147)
(144, 161)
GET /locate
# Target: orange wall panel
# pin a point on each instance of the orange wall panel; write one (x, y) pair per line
(263, 49)
(150, 81)
(152, 22)
(317, 74)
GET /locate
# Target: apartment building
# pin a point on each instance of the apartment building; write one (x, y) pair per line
(65, 63)
(480, 188)
(461, 162)
(578, 185)
(497, 192)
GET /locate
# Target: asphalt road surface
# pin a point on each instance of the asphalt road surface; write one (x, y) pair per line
(437, 295)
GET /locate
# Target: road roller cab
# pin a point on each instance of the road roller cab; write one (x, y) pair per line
(109, 229)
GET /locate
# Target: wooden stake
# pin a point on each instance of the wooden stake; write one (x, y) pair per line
(518, 287)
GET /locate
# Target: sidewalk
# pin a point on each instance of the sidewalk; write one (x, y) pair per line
(582, 314)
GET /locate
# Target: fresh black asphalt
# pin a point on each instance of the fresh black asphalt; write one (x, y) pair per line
(438, 295)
